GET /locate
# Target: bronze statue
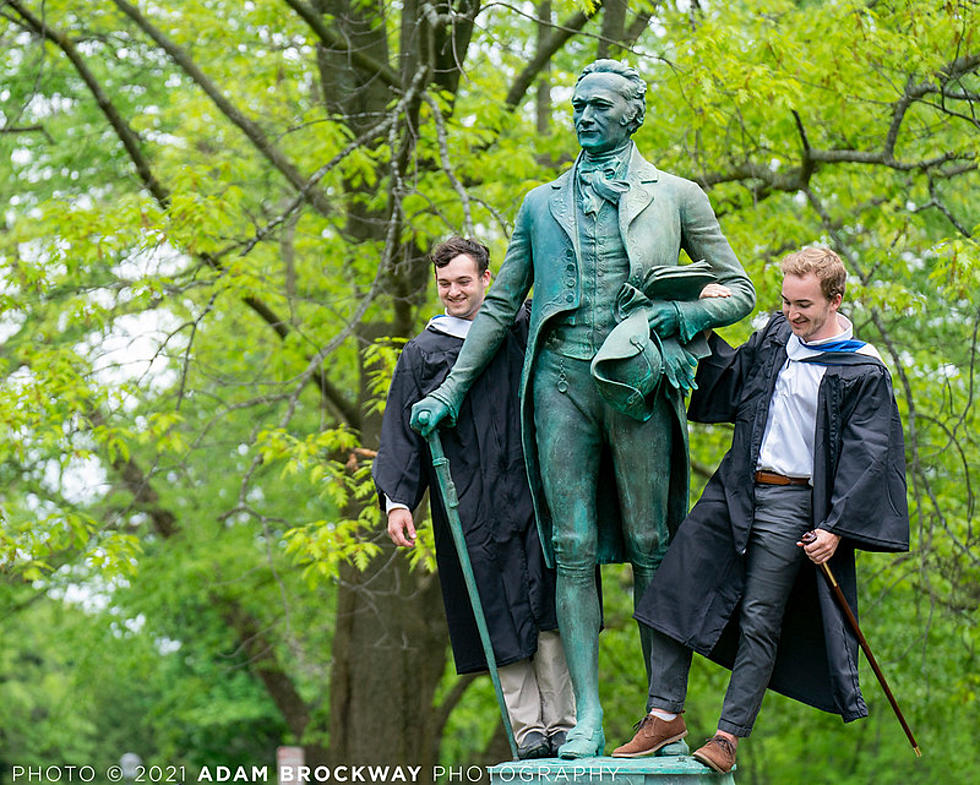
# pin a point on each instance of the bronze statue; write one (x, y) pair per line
(616, 329)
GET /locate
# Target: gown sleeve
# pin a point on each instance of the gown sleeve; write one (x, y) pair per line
(868, 501)
(721, 378)
(398, 467)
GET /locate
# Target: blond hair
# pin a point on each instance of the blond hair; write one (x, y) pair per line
(823, 263)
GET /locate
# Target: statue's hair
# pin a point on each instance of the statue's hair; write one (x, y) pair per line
(449, 249)
(823, 263)
(635, 90)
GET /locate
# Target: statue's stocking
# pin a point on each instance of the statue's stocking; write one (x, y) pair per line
(578, 621)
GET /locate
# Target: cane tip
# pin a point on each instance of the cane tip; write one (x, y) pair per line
(918, 752)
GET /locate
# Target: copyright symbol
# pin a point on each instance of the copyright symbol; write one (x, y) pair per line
(114, 773)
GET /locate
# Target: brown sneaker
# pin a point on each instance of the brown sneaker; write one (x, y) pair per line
(717, 753)
(652, 733)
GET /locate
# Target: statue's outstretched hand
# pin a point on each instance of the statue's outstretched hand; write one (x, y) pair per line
(663, 318)
(679, 366)
(427, 414)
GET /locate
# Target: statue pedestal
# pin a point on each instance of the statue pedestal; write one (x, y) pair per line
(673, 770)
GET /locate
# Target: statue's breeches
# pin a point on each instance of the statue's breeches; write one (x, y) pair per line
(577, 432)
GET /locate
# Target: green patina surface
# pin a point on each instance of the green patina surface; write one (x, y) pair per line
(601, 235)
(668, 770)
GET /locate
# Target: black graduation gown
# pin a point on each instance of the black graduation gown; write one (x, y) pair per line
(487, 464)
(859, 492)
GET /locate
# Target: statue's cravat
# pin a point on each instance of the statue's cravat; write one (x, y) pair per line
(599, 180)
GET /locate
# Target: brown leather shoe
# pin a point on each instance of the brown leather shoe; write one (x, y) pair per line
(717, 753)
(652, 733)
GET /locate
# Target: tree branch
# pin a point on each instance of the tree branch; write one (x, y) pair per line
(264, 664)
(791, 180)
(913, 92)
(806, 170)
(636, 28)
(27, 129)
(884, 158)
(126, 134)
(447, 166)
(260, 651)
(251, 130)
(559, 37)
(448, 703)
(330, 393)
(318, 175)
(333, 41)
(799, 178)
(937, 203)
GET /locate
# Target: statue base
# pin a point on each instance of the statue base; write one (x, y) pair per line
(663, 770)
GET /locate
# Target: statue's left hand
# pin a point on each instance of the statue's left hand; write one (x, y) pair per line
(679, 366)
(663, 319)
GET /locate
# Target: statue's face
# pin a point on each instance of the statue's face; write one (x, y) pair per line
(600, 111)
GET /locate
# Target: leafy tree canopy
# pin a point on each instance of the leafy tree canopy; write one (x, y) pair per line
(212, 244)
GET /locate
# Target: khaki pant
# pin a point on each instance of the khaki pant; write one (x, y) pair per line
(538, 692)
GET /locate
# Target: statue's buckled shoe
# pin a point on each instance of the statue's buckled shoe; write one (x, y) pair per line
(583, 745)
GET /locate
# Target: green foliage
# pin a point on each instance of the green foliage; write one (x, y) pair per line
(165, 700)
(193, 369)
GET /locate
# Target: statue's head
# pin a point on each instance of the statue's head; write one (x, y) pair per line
(608, 105)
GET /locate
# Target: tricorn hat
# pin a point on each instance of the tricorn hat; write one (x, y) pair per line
(629, 365)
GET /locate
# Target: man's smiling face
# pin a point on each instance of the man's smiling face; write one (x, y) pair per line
(811, 316)
(461, 286)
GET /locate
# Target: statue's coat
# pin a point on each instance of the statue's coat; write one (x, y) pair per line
(659, 215)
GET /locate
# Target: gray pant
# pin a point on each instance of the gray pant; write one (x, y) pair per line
(782, 515)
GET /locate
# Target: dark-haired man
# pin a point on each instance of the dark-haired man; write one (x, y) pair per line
(614, 337)
(484, 451)
(817, 446)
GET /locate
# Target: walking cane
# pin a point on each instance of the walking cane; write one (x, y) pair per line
(842, 601)
(447, 489)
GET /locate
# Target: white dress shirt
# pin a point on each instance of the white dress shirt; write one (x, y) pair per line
(787, 443)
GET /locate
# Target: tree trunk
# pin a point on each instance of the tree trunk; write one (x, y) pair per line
(613, 28)
(390, 639)
(389, 652)
(542, 98)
